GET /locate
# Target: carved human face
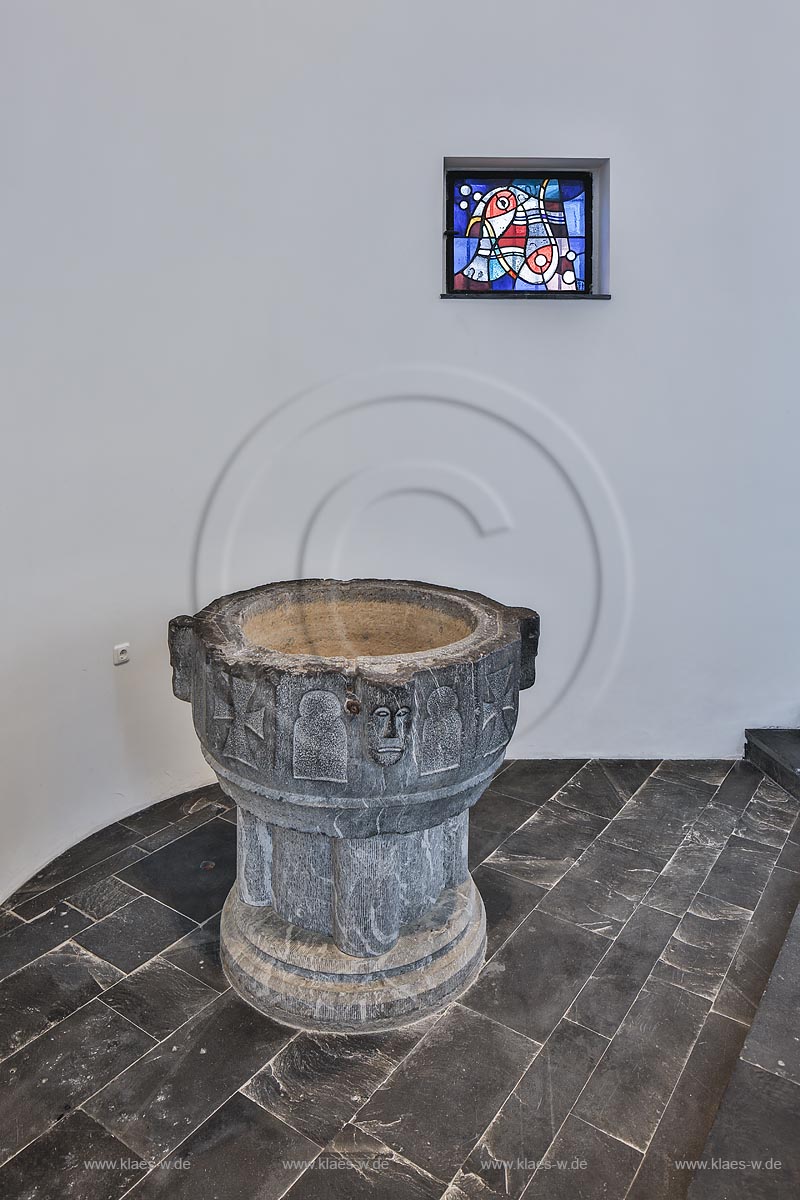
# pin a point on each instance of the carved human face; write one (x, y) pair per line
(387, 729)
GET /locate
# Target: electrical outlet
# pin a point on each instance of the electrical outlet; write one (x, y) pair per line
(122, 653)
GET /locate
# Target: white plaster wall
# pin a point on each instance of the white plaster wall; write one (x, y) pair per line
(209, 209)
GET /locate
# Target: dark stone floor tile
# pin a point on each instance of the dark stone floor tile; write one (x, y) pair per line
(699, 953)
(156, 816)
(774, 1039)
(738, 787)
(760, 823)
(713, 827)
(193, 874)
(230, 815)
(659, 816)
(546, 847)
(47, 990)
(535, 780)
(507, 901)
(88, 853)
(592, 790)
(741, 872)
(8, 921)
(209, 799)
(409, 1113)
(198, 955)
(22, 945)
(504, 1159)
(794, 833)
(617, 979)
(772, 793)
(78, 883)
(318, 1081)
(604, 887)
(210, 795)
(481, 844)
(789, 857)
(748, 973)
(689, 1115)
(498, 813)
(682, 877)
(632, 1084)
(240, 1153)
(628, 774)
(158, 1101)
(584, 1164)
(704, 770)
(356, 1166)
(758, 1122)
(101, 899)
(171, 833)
(534, 978)
(770, 815)
(134, 933)
(54, 1166)
(159, 997)
(56, 1072)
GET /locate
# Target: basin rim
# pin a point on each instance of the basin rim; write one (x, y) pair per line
(219, 627)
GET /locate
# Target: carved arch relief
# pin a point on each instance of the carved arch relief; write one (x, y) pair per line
(319, 742)
(440, 748)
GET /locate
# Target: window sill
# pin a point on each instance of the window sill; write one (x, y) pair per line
(525, 296)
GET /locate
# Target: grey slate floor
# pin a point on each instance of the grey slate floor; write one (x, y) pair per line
(635, 912)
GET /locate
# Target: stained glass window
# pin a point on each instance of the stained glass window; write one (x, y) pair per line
(509, 233)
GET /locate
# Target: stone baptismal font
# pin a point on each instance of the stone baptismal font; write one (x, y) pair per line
(354, 724)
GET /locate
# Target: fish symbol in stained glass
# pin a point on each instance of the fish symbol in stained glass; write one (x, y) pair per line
(519, 234)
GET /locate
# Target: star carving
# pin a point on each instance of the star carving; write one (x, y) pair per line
(244, 720)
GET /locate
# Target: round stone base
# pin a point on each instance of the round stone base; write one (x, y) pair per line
(302, 979)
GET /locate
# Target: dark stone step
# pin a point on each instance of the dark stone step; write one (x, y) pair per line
(759, 1115)
(776, 752)
(773, 1042)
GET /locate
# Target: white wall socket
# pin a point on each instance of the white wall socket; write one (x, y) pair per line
(122, 653)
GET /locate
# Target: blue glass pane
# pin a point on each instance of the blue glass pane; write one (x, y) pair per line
(463, 251)
(574, 211)
(570, 188)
